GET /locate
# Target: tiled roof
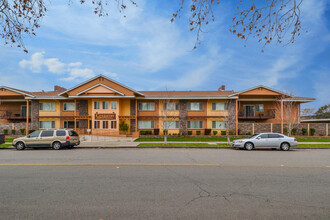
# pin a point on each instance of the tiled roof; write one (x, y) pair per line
(186, 93)
(46, 93)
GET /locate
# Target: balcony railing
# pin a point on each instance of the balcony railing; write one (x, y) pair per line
(267, 114)
(4, 114)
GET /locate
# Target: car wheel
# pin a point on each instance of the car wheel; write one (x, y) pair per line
(248, 146)
(285, 146)
(20, 146)
(57, 145)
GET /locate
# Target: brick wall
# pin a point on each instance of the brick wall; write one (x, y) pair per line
(232, 115)
(10, 126)
(262, 127)
(34, 115)
(183, 116)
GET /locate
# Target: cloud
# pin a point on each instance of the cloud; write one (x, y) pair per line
(35, 63)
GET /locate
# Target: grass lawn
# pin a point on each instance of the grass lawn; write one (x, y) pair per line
(5, 145)
(313, 140)
(313, 146)
(186, 139)
(9, 140)
(182, 145)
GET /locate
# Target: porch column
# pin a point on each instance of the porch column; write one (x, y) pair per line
(136, 115)
(27, 117)
(281, 115)
(75, 114)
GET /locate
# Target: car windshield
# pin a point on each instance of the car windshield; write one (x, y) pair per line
(253, 136)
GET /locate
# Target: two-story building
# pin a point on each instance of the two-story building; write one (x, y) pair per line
(100, 106)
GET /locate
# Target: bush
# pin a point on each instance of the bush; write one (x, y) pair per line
(304, 131)
(198, 132)
(189, 132)
(215, 132)
(294, 131)
(22, 130)
(145, 132)
(5, 131)
(231, 132)
(223, 132)
(249, 133)
(207, 131)
(165, 132)
(241, 133)
(285, 130)
(13, 131)
(312, 131)
(123, 126)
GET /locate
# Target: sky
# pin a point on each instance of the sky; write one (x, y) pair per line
(145, 51)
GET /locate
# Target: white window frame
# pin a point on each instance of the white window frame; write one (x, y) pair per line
(113, 104)
(65, 103)
(95, 124)
(175, 123)
(200, 123)
(51, 127)
(152, 124)
(99, 105)
(217, 126)
(150, 105)
(112, 123)
(52, 104)
(103, 103)
(201, 104)
(258, 109)
(223, 108)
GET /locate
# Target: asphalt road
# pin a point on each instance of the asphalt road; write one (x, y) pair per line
(164, 184)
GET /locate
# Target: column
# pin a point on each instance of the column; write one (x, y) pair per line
(281, 115)
(27, 117)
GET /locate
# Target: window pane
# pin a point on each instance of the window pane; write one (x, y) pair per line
(105, 124)
(96, 105)
(171, 124)
(113, 124)
(171, 106)
(73, 133)
(68, 107)
(195, 124)
(96, 124)
(219, 124)
(60, 133)
(105, 105)
(146, 124)
(35, 134)
(46, 124)
(47, 134)
(113, 104)
(47, 106)
(147, 106)
(195, 106)
(264, 136)
(260, 108)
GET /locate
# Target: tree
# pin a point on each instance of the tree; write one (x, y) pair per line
(267, 21)
(323, 112)
(307, 111)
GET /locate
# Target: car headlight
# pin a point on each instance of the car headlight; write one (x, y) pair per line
(239, 141)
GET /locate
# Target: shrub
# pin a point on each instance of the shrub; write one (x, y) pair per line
(142, 133)
(285, 130)
(5, 131)
(241, 133)
(123, 126)
(231, 132)
(165, 132)
(294, 131)
(249, 133)
(312, 131)
(304, 131)
(223, 132)
(207, 131)
(22, 130)
(145, 132)
(13, 131)
(189, 132)
(198, 132)
(215, 132)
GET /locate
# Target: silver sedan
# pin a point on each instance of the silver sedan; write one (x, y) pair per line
(266, 140)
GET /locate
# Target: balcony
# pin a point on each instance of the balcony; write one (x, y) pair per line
(4, 114)
(267, 114)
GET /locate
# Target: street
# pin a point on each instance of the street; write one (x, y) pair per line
(164, 184)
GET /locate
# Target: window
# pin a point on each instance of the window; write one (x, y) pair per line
(275, 136)
(34, 134)
(218, 106)
(195, 124)
(146, 124)
(171, 106)
(105, 105)
(60, 133)
(259, 108)
(171, 124)
(47, 134)
(105, 124)
(113, 124)
(219, 124)
(113, 105)
(264, 136)
(97, 124)
(73, 133)
(146, 106)
(47, 106)
(69, 106)
(70, 124)
(46, 124)
(96, 105)
(195, 106)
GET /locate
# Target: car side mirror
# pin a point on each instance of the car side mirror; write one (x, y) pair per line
(258, 138)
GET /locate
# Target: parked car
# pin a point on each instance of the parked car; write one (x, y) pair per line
(266, 140)
(48, 138)
(2, 138)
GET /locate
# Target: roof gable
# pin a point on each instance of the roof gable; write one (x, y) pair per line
(260, 90)
(7, 91)
(106, 82)
(99, 89)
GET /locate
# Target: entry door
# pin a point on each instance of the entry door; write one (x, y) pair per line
(23, 111)
(249, 110)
